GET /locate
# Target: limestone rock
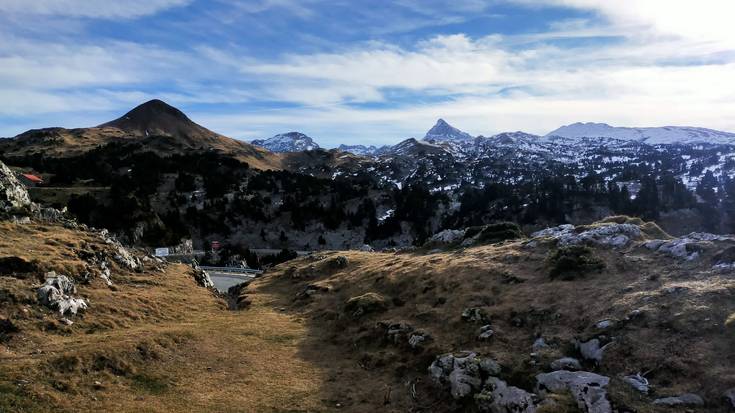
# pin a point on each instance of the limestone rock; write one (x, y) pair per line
(417, 339)
(687, 399)
(201, 277)
(687, 247)
(447, 237)
(637, 382)
(489, 367)
(475, 315)
(121, 255)
(539, 344)
(610, 234)
(460, 371)
(588, 389)
(402, 333)
(591, 350)
(486, 333)
(13, 195)
(498, 397)
(56, 293)
(566, 363)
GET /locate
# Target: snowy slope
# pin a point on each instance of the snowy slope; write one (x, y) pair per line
(652, 136)
(363, 150)
(288, 142)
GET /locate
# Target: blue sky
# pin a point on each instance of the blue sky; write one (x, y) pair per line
(371, 72)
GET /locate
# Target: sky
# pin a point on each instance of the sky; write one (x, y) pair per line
(370, 71)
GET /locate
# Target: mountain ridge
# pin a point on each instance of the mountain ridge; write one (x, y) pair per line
(288, 142)
(153, 124)
(650, 135)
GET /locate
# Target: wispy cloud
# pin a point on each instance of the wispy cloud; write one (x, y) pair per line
(648, 62)
(106, 9)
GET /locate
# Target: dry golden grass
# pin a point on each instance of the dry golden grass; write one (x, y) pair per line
(155, 342)
(158, 343)
(680, 339)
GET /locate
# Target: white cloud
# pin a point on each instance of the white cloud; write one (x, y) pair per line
(670, 63)
(702, 20)
(107, 9)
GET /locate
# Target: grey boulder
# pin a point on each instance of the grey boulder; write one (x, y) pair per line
(497, 397)
(588, 389)
(56, 293)
(460, 371)
(687, 399)
(13, 195)
(566, 363)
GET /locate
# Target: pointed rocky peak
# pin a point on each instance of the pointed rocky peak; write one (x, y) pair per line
(443, 131)
(288, 142)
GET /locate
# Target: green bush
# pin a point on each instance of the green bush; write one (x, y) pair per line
(573, 262)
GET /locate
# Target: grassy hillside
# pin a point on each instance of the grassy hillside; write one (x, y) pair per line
(154, 342)
(329, 332)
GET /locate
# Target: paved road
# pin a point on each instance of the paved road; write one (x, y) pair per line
(224, 280)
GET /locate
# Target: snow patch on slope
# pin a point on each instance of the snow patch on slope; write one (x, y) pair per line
(651, 136)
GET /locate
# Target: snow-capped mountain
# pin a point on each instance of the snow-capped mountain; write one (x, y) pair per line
(652, 136)
(288, 142)
(363, 150)
(444, 132)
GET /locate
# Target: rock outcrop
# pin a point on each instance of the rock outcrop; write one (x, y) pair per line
(608, 234)
(638, 382)
(588, 389)
(447, 237)
(688, 247)
(592, 350)
(56, 293)
(688, 399)
(13, 195)
(201, 277)
(497, 397)
(566, 363)
(460, 371)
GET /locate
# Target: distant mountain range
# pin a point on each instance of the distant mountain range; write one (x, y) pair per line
(288, 142)
(499, 177)
(442, 133)
(651, 136)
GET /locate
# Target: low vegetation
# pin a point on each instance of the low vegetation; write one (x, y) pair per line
(568, 263)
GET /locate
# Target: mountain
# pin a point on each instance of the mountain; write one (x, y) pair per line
(370, 150)
(154, 125)
(287, 142)
(652, 136)
(443, 131)
(156, 117)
